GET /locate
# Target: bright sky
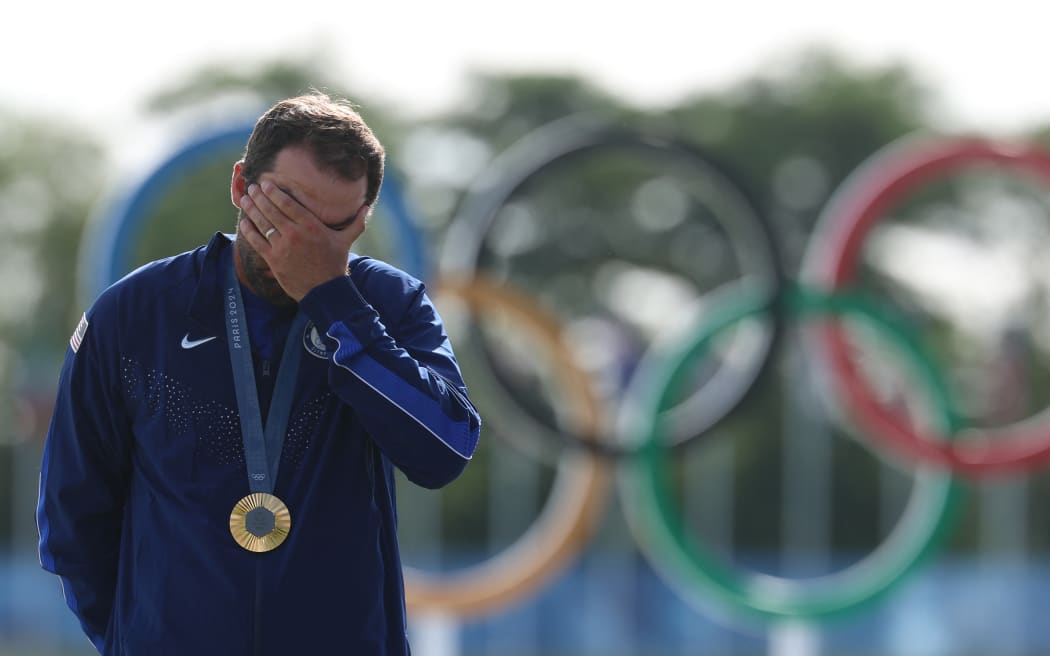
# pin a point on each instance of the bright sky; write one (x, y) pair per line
(95, 61)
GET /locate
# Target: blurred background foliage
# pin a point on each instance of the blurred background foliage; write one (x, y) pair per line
(794, 133)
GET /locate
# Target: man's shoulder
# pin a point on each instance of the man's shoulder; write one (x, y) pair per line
(163, 276)
(368, 271)
(168, 280)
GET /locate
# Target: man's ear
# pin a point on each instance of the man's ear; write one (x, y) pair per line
(238, 185)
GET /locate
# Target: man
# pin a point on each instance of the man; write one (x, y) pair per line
(218, 474)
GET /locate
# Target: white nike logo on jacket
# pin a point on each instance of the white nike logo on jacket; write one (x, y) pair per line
(187, 343)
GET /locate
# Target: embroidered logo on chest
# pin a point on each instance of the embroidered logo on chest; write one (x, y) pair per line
(314, 342)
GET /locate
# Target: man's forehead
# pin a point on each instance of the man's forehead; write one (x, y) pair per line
(297, 166)
(333, 200)
(296, 170)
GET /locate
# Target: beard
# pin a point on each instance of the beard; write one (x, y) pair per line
(258, 277)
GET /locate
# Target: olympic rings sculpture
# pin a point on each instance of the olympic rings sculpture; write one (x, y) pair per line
(636, 437)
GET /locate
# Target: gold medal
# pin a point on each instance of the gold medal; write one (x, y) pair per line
(260, 522)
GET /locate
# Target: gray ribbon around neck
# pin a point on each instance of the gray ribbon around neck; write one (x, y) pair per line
(262, 447)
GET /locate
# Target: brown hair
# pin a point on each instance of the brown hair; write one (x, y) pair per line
(332, 129)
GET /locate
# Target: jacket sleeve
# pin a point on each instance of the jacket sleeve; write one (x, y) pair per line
(83, 480)
(402, 380)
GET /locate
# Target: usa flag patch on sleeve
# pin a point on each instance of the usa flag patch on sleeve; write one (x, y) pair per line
(78, 334)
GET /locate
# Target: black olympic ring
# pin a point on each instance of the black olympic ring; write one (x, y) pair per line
(713, 197)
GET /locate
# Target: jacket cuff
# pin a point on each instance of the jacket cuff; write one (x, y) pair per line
(337, 306)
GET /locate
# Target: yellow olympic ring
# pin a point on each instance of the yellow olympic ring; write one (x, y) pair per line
(576, 500)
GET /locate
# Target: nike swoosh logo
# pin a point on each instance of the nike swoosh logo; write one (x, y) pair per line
(187, 343)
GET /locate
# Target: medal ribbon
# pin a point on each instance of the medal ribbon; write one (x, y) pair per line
(258, 442)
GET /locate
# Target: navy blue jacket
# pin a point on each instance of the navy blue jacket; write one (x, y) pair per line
(144, 462)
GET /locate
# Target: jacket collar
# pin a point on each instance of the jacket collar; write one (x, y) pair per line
(206, 304)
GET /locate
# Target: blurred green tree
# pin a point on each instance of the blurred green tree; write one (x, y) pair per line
(50, 176)
(798, 130)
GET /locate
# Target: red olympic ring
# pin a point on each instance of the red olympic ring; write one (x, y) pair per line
(831, 264)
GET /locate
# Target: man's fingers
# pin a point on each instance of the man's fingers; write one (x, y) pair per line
(285, 206)
(253, 215)
(249, 231)
(357, 227)
(262, 210)
(362, 214)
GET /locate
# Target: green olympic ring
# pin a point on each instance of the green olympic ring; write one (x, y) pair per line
(691, 568)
